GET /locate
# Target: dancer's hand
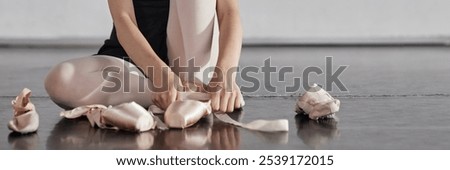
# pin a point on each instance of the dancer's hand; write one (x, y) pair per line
(166, 89)
(225, 95)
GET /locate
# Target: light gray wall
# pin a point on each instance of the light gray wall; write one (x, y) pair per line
(264, 20)
(327, 19)
(35, 19)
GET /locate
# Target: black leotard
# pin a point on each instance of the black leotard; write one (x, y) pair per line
(151, 17)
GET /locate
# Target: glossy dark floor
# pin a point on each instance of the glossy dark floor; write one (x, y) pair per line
(398, 99)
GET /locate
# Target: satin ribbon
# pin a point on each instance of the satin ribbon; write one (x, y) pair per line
(317, 103)
(280, 125)
(26, 119)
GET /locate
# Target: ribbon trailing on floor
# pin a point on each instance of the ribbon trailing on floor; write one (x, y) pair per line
(280, 125)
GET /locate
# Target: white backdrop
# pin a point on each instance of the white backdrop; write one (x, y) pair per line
(280, 20)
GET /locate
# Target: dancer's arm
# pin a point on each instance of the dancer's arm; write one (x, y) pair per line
(140, 51)
(230, 41)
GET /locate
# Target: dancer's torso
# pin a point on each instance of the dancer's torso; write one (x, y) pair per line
(151, 17)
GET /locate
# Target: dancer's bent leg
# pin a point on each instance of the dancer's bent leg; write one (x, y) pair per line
(97, 80)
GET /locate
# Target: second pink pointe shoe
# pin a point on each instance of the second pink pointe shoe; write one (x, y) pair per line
(317, 103)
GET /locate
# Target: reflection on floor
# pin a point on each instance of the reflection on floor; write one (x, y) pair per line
(316, 133)
(75, 134)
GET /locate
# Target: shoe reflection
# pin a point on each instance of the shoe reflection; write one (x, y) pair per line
(23, 142)
(206, 134)
(316, 133)
(78, 134)
(195, 137)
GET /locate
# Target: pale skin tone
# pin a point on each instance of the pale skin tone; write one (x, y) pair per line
(140, 51)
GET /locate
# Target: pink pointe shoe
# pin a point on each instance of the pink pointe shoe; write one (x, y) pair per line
(186, 111)
(126, 116)
(26, 119)
(317, 103)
